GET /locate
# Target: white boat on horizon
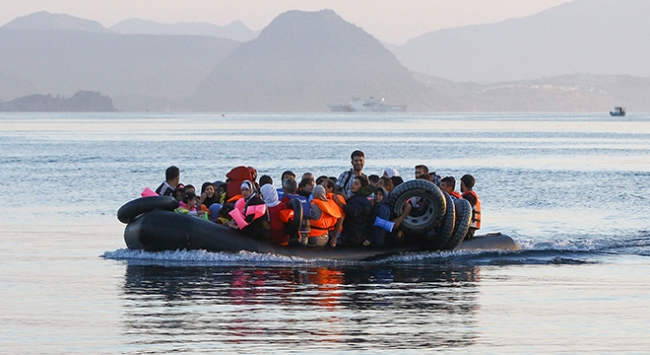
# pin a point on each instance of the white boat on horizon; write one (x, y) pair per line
(369, 105)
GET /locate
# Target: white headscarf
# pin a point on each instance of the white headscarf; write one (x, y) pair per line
(247, 184)
(270, 195)
(390, 172)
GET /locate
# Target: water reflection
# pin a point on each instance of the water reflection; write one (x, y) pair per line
(262, 309)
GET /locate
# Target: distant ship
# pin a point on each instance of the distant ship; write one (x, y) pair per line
(618, 111)
(369, 105)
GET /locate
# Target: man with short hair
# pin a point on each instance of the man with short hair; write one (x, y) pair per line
(466, 186)
(346, 179)
(448, 185)
(172, 177)
(423, 169)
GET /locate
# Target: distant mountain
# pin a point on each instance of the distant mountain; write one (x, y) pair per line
(45, 21)
(567, 93)
(304, 60)
(584, 36)
(236, 30)
(82, 101)
(12, 86)
(140, 72)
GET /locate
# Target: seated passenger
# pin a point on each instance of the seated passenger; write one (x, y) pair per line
(358, 212)
(265, 179)
(325, 214)
(466, 187)
(275, 207)
(172, 177)
(250, 213)
(188, 206)
(448, 184)
(305, 187)
(386, 183)
(287, 174)
(373, 180)
(383, 232)
(210, 201)
(390, 172)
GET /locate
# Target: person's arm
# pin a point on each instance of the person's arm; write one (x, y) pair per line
(405, 212)
(335, 233)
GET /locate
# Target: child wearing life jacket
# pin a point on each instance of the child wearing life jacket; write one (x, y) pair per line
(188, 206)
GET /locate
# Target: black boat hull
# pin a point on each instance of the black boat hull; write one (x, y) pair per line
(161, 230)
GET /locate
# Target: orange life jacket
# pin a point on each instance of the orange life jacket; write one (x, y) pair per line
(330, 214)
(476, 210)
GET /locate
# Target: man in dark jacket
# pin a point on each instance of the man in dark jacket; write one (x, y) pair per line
(358, 212)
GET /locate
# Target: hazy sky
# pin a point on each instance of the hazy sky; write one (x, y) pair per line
(388, 20)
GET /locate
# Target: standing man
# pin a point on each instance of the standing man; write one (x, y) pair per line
(345, 181)
(172, 177)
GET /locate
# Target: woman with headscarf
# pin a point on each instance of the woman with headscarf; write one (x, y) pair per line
(275, 206)
(390, 172)
(325, 213)
(250, 214)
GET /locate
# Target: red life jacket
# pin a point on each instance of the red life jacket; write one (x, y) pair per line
(476, 210)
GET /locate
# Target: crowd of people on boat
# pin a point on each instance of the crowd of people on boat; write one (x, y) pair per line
(352, 209)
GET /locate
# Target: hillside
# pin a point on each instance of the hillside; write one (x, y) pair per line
(82, 101)
(584, 36)
(45, 21)
(236, 30)
(304, 60)
(140, 72)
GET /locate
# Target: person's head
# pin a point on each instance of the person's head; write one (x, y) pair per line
(172, 175)
(178, 194)
(359, 182)
(307, 175)
(290, 186)
(306, 184)
(320, 193)
(466, 182)
(390, 172)
(265, 179)
(425, 176)
(220, 188)
(421, 169)
(357, 159)
(270, 195)
(373, 180)
(329, 185)
(380, 194)
(190, 200)
(396, 181)
(189, 188)
(334, 179)
(208, 189)
(246, 188)
(386, 183)
(320, 179)
(287, 174)
(448, 184)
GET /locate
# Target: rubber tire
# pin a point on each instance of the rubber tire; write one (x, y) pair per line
(463, 220)
(418, 226)
(293, 227)
(141, 205)
(437, 239)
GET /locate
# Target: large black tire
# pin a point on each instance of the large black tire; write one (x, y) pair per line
(420, 222)
(463, 220)
(437, 239)
(293, 227)
(141, 205)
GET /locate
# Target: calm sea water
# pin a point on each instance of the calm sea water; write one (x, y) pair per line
(571, 189)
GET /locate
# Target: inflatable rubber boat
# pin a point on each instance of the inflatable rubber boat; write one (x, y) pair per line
(152, 225)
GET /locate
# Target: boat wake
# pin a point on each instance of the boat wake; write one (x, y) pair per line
(533, 252)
